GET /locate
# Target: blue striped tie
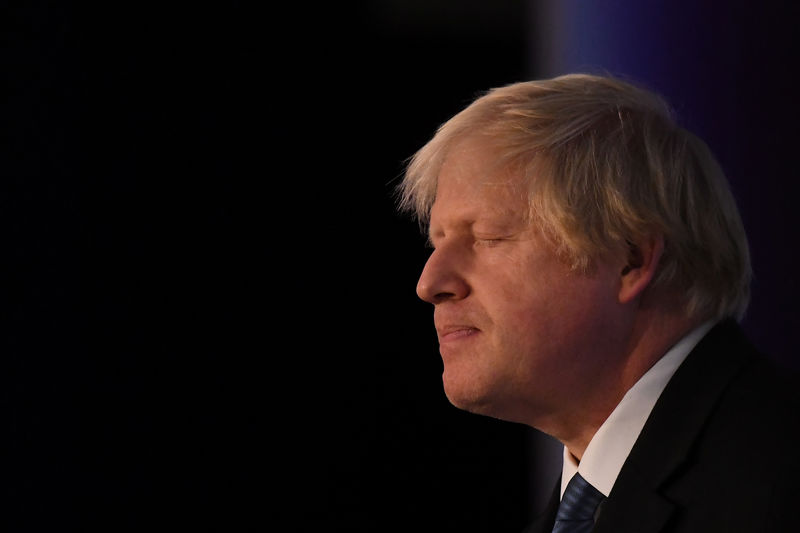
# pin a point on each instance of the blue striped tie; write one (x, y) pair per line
(578, 506)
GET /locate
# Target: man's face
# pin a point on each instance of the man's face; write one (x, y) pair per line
(521, 334)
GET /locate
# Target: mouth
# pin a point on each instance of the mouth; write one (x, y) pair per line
(455, 333)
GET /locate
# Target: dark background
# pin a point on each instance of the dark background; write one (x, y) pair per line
(210, 320)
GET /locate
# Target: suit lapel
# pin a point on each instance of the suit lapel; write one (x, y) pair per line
(544, 522)
(635, 503)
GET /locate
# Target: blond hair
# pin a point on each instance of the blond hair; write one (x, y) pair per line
(607, 165)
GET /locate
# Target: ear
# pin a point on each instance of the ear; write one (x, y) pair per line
(643, 259)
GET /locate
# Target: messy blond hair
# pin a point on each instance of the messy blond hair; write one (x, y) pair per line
(607, 165)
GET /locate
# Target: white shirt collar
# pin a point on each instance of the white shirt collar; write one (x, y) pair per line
(613, 441)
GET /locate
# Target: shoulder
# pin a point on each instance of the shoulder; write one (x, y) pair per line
(758, 408)
(746, 406)
(757, 418)
(718, 448)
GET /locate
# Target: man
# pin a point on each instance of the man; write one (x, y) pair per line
(588, 268)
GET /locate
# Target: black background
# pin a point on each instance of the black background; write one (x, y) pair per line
(210, 320)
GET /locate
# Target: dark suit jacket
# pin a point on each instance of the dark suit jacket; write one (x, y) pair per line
(719, 452)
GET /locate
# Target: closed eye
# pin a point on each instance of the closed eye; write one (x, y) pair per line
(488, 242)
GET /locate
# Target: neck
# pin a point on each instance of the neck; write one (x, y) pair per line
(651, 336)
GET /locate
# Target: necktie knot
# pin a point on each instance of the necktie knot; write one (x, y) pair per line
(578, 506)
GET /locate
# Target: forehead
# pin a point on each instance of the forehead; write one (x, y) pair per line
(474, 181)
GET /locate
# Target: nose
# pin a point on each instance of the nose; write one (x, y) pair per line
(441, 279)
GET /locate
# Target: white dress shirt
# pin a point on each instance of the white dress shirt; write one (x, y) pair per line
(610, 446)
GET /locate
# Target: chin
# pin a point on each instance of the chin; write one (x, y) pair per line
(470, 396)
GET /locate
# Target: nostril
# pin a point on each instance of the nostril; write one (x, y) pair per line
(441, 278)
(442, 296)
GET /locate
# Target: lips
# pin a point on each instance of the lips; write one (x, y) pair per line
(455, 332)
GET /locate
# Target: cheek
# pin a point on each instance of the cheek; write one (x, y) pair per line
(524, 315)
(532, 295)
(551, 310)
